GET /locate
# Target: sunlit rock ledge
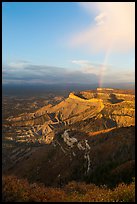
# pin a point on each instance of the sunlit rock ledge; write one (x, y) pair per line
(103, 89)
(73, 96)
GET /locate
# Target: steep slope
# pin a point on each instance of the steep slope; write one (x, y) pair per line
(89, 136)
(78, 156)
(107, 107)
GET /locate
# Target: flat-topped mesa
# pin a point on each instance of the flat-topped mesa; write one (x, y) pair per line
(105, 89)
(73, 96)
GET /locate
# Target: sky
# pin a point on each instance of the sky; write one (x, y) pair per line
(68, 42)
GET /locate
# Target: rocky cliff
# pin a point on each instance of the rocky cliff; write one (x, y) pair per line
(110, 106)
(90, 133)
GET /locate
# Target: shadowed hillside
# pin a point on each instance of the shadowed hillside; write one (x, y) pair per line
(88, 137)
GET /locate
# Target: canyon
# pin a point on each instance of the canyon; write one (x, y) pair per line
(84, 135)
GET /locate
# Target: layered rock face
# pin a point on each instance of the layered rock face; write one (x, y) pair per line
(90, 133)
(101, 104)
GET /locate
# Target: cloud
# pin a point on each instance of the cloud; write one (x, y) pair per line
(111, 73)
(18, 64)
(84, 65)
(90, 68)
(113, 27)
(86, 73)
(80, 62)
(100, 19)
(44, 74)
(119, 76)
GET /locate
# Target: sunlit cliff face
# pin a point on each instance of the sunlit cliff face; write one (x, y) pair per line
(104, 104)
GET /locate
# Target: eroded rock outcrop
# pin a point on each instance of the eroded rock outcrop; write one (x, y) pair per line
(101, 104)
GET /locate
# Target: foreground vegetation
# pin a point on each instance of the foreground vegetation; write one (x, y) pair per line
(20, 190)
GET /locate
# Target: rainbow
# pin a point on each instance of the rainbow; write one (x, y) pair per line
(103, 69)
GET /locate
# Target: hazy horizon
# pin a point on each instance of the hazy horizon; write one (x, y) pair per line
(40, 90)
